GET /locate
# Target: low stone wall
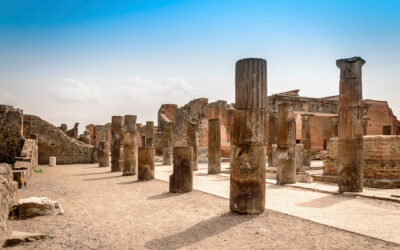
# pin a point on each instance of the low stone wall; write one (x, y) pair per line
(52, 141)
(8, 197)
(381, 157)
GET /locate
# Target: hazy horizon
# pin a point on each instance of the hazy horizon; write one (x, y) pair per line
(73, 61)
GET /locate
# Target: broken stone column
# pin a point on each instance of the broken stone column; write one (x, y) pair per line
(167, 144)
(104, 159)
(248, 141)
(286, 143)
(181, 181)
(272, 130)
(149, 134)
(306, 139)
(64, 127)
(130, 147)
(334, 126)
(146, 163)
(52, 161)
(214, 146)
(193, 136)
(116, 143)
(350, 152)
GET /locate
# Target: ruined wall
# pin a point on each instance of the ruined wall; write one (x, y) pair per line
(381, 157)
(11, 126)
(53, 142)
(166, 113)
(380, 114)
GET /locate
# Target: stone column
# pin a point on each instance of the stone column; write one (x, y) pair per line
(286, 145)
(64, 127)
(193, 137)
(146, 163)
(130, 152)
(181, 181)
(334, 126)
(149, 134)
(272, 130)
(350, 152)
(116, 143)
(214, 146)
(248, 141)
(306, 139)
(167, 144)
(104, 158)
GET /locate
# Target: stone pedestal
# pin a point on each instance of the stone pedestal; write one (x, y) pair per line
(130, 152)
(149, 134)
(167, 144)
(272, 132)
(193, 137)
(116, 143)
(286, 143)
(214, 146)
(181, 181)
(104, 157)
(248, 141)
(351, 129)
(146, 163)
(306, 139)
(52, 161)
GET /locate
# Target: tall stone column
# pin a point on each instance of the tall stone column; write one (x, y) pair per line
(167, 144)
(334, 126)
(104, 158)
(130, 152)
(149, 134)
(272, 131)
(193, 137)
(214, 146)
(350, 152)
(248, 141)
(146, 163)
(286, 145)
(306, 139)
(116, 143)
(181, 180)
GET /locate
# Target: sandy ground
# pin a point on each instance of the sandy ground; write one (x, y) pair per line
(105, 210)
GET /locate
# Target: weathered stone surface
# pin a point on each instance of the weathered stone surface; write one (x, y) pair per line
(52, 161)
(351, 129)
(149, 133)
(38, 206)
(104, 155)
(167, 144)
(146, 163)
(20, 177)
(247, 156)
(299, 154)
(272, 136)
(130, 147)
(334, 126)
(181, 181)
(8, 197)
(11, 141)
(286, 143)
(73, 133)
(193, 137)
(53, 142)
(116, 143)
(306, 139)
(18, 237)
(214, 146)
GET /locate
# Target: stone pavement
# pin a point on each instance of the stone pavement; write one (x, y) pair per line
(371, 217)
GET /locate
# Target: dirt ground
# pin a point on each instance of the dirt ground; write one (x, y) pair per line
(105, 210)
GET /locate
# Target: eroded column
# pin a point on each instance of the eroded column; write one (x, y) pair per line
(130, 152)
(248, 141)
(167, 144)
(149, 134)
(286, 145)
(116, 143)
(214, 146)
(193, 136)
(104, 158)
(334, 126)
(181, 181)
(306, 139)
(146, 163)
(350, 154)
(272, 131)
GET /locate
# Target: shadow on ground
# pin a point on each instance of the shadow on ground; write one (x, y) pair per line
(105, 178)
(200, 231)
(163, 196)
(324, 202)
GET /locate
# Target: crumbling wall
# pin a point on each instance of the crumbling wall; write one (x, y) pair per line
(381, 156)
(53, 142)
(380, 114)
(166, 113)
(11, 126)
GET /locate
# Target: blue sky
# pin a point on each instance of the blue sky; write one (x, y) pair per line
(84, 61)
